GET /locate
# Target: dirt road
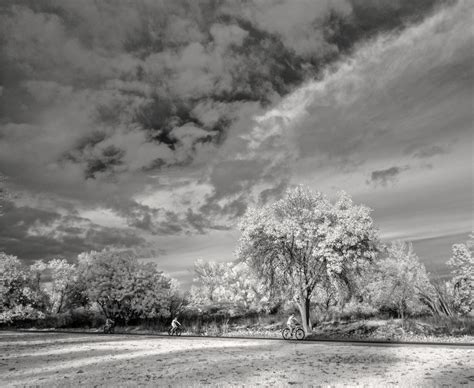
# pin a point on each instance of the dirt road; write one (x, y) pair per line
(53, 359)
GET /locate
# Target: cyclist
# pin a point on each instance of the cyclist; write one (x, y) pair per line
(109, 324)
(292, 323)
(174, 325)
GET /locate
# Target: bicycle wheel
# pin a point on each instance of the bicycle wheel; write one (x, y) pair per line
(178, 332)
(299, 334)
(286, 333)
(170, 331)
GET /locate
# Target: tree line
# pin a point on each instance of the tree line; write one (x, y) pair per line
(304, 252)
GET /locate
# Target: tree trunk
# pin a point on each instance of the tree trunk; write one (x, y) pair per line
(303, 306)
(60, 304)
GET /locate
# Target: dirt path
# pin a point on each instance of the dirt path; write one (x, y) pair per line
(120, 360)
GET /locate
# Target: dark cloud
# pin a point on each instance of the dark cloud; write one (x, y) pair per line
(371, 17)
(33, 234)
(384, 177)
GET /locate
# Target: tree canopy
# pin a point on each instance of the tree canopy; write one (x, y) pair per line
(462, 269)
(400, 280)
(124, 288)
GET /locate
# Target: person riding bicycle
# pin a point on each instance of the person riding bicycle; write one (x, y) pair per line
(109, 322)
(175, 325)
(292, 323)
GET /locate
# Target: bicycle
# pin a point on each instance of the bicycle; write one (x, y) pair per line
(177, 331)
(297, 333)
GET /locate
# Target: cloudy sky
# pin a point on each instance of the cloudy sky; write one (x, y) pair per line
(155, 124)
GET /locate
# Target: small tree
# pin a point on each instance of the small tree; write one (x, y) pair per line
(63, 278)
(13, 279)
(234, 284)
(401, 280)
(304, 240)
(20, 298)
(177, 299)
(462, 264)
(124, 288)
(208, 277)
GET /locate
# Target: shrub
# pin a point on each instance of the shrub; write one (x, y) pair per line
(21, 313)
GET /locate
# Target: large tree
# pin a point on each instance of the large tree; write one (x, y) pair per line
(305, 240)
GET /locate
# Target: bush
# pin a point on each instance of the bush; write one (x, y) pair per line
(21, 313)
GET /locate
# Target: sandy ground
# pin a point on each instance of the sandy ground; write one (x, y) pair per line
(51, 359)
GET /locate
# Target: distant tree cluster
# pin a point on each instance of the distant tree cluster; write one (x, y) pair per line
(113, 281)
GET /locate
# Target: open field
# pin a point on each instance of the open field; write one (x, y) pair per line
(57, 359)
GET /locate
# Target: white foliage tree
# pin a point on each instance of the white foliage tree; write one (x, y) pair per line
(123, 287)
(20, 298)
(229, 283)
(304, 240)
(208, 279)
(401, 280)
(61, 277)
(462, 264)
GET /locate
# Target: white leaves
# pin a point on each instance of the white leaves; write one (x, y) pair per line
(304, 234)
(399, 280)
(124, 287)
(228, 283)
(462, 265)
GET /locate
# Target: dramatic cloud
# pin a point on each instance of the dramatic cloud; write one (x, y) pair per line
(150, 120)
(36, 234)
(104, 89)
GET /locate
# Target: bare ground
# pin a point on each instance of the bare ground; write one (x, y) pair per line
(62, 359)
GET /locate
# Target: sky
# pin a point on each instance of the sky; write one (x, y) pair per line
(154, 125)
